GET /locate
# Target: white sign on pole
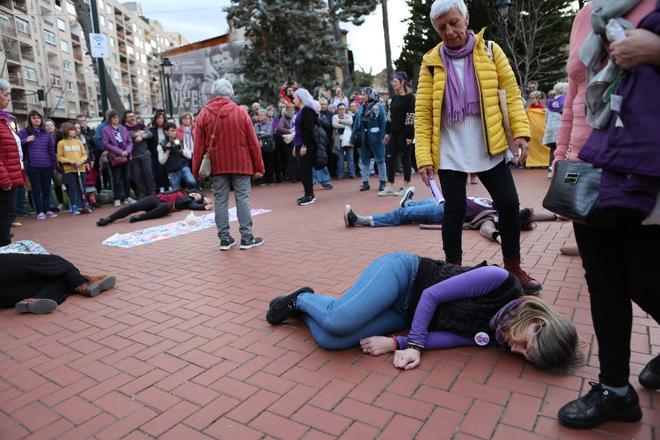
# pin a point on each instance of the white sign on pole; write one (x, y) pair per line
(99, 43)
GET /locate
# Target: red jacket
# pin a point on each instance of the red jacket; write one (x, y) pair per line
(10, 162)
(235, 149)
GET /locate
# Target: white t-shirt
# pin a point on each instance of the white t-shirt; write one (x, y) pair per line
(462, 146)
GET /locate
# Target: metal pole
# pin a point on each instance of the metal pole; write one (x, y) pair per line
(505, 33)
(388, 51)
(99, 61)
(169, 96)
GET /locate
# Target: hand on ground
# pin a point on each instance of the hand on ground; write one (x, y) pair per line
(407, 359)
(376, 345)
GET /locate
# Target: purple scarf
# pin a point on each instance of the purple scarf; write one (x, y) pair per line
(460, 101)
(8, 117)
(501, 317)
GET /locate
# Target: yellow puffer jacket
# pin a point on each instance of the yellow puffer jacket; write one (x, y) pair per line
(492, 75)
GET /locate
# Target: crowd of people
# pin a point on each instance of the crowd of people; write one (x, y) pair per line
(455, 130)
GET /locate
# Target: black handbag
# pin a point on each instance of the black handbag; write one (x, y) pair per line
(574, 190)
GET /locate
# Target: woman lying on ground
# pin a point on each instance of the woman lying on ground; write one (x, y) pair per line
(443, 306)
(34, 281)
(160, 205)
(480, 214)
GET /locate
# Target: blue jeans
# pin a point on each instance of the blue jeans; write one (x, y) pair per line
(346, 154)
(377, 304)
(322, 176)
(73, 189)
(40, 179)
(379, 157)
(416, 211)
(183, 174)
(21, 208)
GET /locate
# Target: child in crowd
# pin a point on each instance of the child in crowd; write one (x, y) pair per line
(174, 156)
(160, 205)
(71, 153)
(264, 129)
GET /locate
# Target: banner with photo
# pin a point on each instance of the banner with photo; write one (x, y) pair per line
(194, 72)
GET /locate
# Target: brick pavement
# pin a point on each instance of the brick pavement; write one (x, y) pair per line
(180, 348)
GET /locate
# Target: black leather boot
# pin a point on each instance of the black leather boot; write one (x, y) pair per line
(649, 378)
(600, 405)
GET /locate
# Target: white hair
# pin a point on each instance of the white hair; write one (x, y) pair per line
(4, 84)
(441, 7)
(561, 88)
(305, 97)
(222, 87)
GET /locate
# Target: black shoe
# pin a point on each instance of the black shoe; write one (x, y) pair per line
(38, 306)
(227, 243)
(253, 242)
(365, 186)
(381, 186)
(408, 194)
(327, 186)
(600, 405)
(307, 200)
(350, 219)
(649, 378)
(134, 218)
(284, 307)
(299, 199)
(103, 221)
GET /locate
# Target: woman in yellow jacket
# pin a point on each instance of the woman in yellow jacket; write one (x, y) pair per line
(458, 129)
(71, 153)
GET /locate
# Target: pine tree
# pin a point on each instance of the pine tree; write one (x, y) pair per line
(289, 40)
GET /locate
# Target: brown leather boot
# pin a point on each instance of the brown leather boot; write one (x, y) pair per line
(530, 285)
(570, 249)
(96, 285)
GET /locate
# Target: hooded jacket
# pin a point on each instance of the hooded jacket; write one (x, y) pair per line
(10, 162)
(492, 75)
(235, 148)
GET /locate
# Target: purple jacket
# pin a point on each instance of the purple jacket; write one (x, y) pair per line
(111, 144)
(630, 155)
(39, 153)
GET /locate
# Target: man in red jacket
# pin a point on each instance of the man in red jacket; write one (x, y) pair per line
(11, 174)
(225, 131)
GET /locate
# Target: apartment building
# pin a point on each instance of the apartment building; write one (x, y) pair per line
(42, 47)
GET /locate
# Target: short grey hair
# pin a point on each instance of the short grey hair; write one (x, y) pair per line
(441, 7)
(222, 87)
(4, 85)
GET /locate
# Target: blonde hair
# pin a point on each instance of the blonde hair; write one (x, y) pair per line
(557, 340)
(561, 88)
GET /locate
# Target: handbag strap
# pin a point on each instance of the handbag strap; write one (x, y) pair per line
(211, 144)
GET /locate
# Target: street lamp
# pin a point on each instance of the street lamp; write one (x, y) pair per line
(502, 7)
(166, 65)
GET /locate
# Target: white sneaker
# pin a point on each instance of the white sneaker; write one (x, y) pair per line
(388, 191)
(407, 195)
(117, 203)
(129, 201)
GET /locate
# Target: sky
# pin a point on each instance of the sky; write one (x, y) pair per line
(203, 19)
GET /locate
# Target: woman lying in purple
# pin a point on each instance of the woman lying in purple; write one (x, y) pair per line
(443, 306)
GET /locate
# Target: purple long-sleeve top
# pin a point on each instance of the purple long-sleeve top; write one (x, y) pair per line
(40, 151)
(477, 282)
(111, 144)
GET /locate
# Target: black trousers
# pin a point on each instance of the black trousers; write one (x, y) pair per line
(502, 189)
(151, 204)
(305, 167)
(280, 158)
(397, 147)
(121, 184)
(621, 264)
(269, 165)
(36, 276)
(7, 215)
(143, 175)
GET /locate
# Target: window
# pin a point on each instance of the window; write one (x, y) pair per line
(112, 42)
(70, 8)
(61, 25)
(4, 21)
(30, 74)
(115, 73)
(49, 37)
(69, 86)
(64, 45)
(102, 20)
(57, 102)
(22, 26)
(66, 64)
(33, 98)
(55, 80)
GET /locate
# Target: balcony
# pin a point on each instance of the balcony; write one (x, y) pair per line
(6, 4)
(77, 56)
(75, 39)
(8, 29)
(27, 53)
(15, 79)
(20, 5)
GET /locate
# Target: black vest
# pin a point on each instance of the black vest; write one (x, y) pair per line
(464, 317)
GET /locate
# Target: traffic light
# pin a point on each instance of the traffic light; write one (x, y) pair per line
(41, 95)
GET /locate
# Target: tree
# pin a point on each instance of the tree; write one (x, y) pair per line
(288, 40)
(84, 18)
(421, 37)
(539, 33)
(388, 50)
(342, 11)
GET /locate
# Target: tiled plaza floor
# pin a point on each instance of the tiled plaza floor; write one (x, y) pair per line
(180, 349)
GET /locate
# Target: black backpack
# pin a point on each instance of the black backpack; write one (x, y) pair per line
(321, 139)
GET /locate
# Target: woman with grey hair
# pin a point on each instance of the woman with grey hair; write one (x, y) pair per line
(11, 168)
(304, 149)
(459, 129)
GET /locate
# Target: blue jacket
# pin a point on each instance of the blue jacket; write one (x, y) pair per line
(371, 132)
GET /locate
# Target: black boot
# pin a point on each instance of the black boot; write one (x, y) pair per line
(600, 405)
(284, 307)
(381, 186)
(365, 186)
(649, 378)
